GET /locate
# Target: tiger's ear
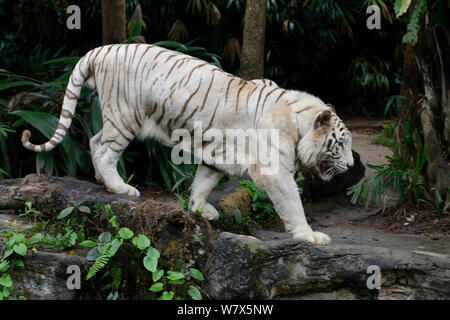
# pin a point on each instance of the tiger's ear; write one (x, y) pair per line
(322, 119)
(331, 106)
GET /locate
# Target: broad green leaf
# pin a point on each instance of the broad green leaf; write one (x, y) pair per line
(179, 281)
(157, 287)
(166, 295)
(18, 84)
(64, 213)
(141, 241)
(150, 263)
(173, 275)
(46, 124)
(19, 238)
(84, 209)
(88, 243)
(125, 233)
(7, 253)
(153, 253)
(171, 45)
(6, 281)
(20, 249)
(194, 293)
(401, 6)
(196, 274)
(36, 238)
(157, 275)
(115, 245)
(104, 237)
(19, 263)
(62, 59)
(93, 254)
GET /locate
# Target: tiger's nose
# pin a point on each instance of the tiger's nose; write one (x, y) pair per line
(349, 165)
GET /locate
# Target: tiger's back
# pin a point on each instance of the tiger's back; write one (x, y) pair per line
(150, 91)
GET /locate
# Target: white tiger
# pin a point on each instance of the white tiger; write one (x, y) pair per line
(148, 91)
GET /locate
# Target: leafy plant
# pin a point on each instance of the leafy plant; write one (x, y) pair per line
(439, 203)
(77, 207)
(409, 183)
(15, 249)
(367, 76)
(262, 206)
(105, 248)
(17, 244)
(191, 50)
(401, 7)
(394, 103)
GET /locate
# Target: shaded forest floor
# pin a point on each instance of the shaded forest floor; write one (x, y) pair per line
(409, 219)
(343, 216)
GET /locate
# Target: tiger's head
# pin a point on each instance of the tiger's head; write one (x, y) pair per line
(326, 144)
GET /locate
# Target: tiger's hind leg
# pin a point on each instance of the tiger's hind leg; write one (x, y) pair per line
(205, 180)
(95, 143)
(107, 150)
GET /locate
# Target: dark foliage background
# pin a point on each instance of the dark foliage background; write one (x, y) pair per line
(319, 46)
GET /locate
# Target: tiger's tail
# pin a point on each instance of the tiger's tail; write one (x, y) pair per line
(76, 81)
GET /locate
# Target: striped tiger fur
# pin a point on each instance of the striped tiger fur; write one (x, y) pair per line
(148, 91)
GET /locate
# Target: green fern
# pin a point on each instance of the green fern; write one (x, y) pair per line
(116, 275)
(107, 252)
(99, 264)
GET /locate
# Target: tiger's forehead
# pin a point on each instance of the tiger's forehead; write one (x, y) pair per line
(339, 130)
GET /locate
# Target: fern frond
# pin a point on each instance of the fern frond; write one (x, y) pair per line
(108, 251)
(99, 264)
(116, 275)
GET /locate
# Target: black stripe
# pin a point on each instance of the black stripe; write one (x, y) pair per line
(187, 101)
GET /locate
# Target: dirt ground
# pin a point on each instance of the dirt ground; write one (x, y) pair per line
(369, 152)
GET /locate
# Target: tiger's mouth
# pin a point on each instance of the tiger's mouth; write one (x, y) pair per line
(325, 166)
(326, 170)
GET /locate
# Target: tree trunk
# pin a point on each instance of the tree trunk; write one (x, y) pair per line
(424, 117)
(113, 21)
(252, 61)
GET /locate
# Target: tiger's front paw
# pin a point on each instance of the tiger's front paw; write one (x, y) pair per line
(206, 209)
(209, 212)
(313, 237)
(125, 189)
